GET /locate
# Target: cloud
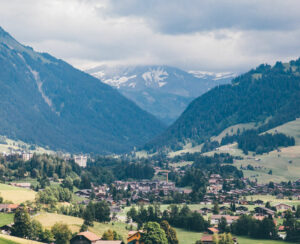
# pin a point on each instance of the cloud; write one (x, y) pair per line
(181, 16)
(205, 35)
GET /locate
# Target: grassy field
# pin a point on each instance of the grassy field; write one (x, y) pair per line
(74, 223)
(278, 162)
(6, 219)
(12, 239)
(20, 145)
(247, 240)
(16, 194)
(233, 130)
(273, 200)
(188, 237)
(5, 241)
(291, 129)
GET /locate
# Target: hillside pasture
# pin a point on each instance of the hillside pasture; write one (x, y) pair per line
(16, 194)
(6, 219)
(74, 223)
(5, 239)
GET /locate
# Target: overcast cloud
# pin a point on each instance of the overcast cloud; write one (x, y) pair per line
(211, 35)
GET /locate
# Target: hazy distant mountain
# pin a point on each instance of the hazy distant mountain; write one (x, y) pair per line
(163, 91)
(44, 100)
(267, 95)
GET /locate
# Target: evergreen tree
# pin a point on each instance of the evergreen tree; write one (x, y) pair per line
(170, 232)
(216, 209)
(61, 233)
(22, 226)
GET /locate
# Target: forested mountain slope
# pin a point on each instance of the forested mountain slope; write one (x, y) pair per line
(46, 101)
(266, 95)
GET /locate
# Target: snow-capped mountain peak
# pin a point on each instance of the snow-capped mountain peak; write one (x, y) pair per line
(155, 76)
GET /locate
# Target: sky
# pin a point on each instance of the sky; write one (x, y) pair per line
(206, 35)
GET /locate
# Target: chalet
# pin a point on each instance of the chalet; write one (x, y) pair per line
(134, 237)
(282, 207)
(25, 185)
(85, 238)
(205, 239)
(215, 219)
(91, 238)
(264, 211)
(212, 230)
(258, 202)
(83, 193)
(8, 208)
(241, 209)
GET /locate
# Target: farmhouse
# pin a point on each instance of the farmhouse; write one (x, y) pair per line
(264, 211)
(85, 238)
(215, 219)
(91, 238)
(282, 206)
(134, 237)
(25, 185)
(8, 208)
(207, 239)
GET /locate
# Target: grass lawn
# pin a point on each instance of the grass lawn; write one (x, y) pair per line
(5, 239)
(187, 237)
(6, 219)
(74, 223)
(247, 240)
(16, 194)
(273, 200)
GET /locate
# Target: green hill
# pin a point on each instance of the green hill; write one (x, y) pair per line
(266, 96)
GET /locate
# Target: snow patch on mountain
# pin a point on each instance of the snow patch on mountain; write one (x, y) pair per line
(155, 76)
(212, 75)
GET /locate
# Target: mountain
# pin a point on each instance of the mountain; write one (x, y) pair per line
(163, 91)
(268, 96)
(45, 101)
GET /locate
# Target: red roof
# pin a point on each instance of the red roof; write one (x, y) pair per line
(281, 228)
(214, 230)
(13, 206)
(207, 238)
(89, 235)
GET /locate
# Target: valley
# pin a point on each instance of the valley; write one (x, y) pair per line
(121, 148)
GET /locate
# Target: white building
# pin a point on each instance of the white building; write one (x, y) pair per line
(80, 160)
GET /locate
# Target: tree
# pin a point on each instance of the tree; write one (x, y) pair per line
(36, 230)
(102, 211)
(292, 227)
(62, 233)
(85, 182)
(216, 209)
(47, 236)
(83, 228)
(297, 214)
(222, 225)
(225, 239)
(111, 235)
(153, 234)
(170, 232)
(89, 215)
(68, 183)
(22, 226)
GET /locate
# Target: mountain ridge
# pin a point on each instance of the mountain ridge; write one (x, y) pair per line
(265, 94)
(162, 90)
(46, 101)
